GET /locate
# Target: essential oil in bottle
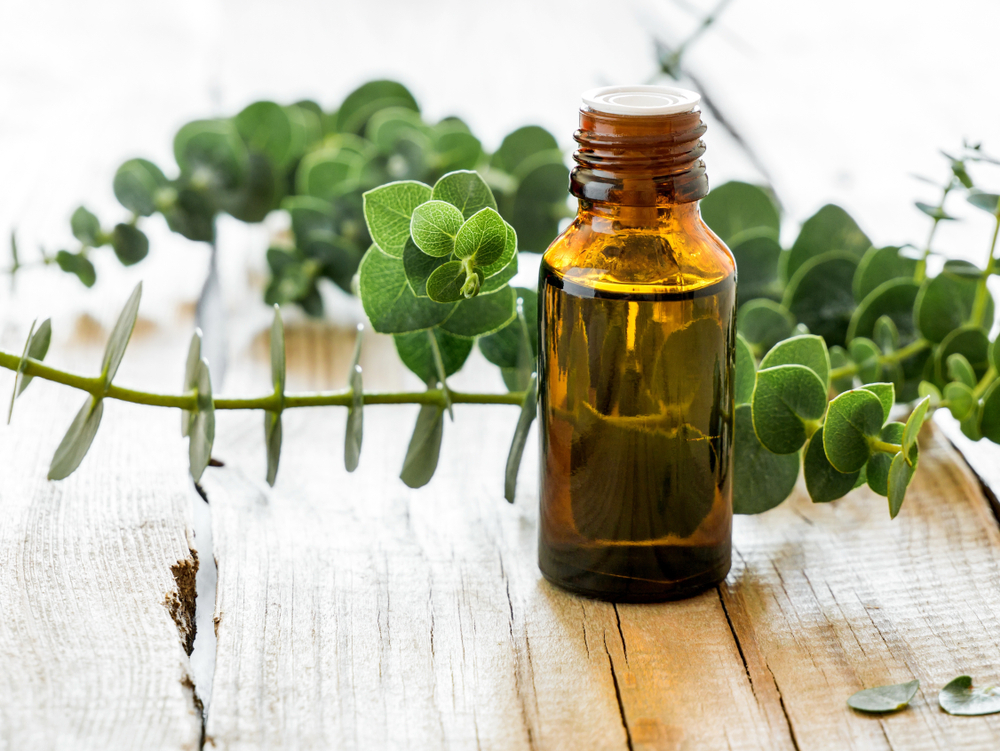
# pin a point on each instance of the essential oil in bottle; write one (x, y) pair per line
(637, 324)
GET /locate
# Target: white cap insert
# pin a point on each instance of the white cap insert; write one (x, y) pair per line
(641, 100)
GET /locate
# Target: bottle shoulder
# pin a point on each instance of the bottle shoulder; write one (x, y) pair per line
(674, 256)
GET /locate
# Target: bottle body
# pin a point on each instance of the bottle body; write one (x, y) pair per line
(637, 332)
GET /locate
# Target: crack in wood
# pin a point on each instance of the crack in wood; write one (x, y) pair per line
(618, 695)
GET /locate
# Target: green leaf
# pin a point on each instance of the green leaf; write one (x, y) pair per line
(934, 212)
(878, 266)
(191, 214)
(960, 698)
(456, 147)
(310, 216)
(989, 202)
(866, 354)
(746, 371)
(761, 479)
(272, 440)
(971, 426)
(359, 106)
(540, 200)
(191, 369)
(211, 153)
(267, 129)
(466, 191)
(894, 299)
(989, 417)
(415, 352)
(77, 441)
(35, 347)
(900, 474)
(388, 212)
(913, 424)
(389, 301)
(764, 323)
(959, 369)
(886, 335)
(886, 394)
(830, 228)
(735, 208)
(278, 353)
(329, 173)
(482, 315)
(823, 481)
(784, 397)
(439, 372)
(960, 399)
(482, 239)
(945, 303)
(807, 350)
(85, 226)
(77, 263)
(202, 427)
(419, 266)
(506, 258)
(354, 432)
(971, 343)
(389, 126)
(930, 391)
(434, 226)
(424, 450)
(114, 351)
(820, 294)
(880, 463)
(503, 348)
(529, 408)
(446, 282)
(521, 144)
(757, 259)
(130, 244)
(136, 185)
(852, 418)
(994, 354)
(499, 280)
(883, 699)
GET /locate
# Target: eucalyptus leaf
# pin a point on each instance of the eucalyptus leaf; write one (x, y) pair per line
(18, 374)
(886, 394)
(784, 397)
(267, 129)
(503, 348)
(829, 229)
(118, 340)
(880, 463)
(852, 418)
(446, 282)
(913, 424)
(960, 698)
(389, 210)
(521, 144)
(129, 243)
(959, 369)
(764, 323)
(734, 208)
(972, 344)
(961, 400)
(272, 441)
(885, 334)
(895, 299)
(867, 355)
(329, 173)
(466, 191)
(989, 416)
(85, 226)
(540, 200)
(945, 303)
(136, 185)
(839, 359)
(77, 441)
(935, 212)
(900, 474)
(191, 369)
(761, 479)
(440, 372)
(202, 427)
(390, 302)
(419, 266)
(35, 348)
(882, 699)
(994, 354)
(989, 202)
(482, 239)
(746, 372)
(78, 264)
(820, 294)
(354, 432)
(529, 409)
(415, 351)
(434, 226)
(211, 154)
(362, 103)
(506, 258)
(823, 481)
(878, 266)
(424, 450)
(757, 257)
(807, 350)
(278, 353)
(482, 315)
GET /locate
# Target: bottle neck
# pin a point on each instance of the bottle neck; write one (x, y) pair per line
(646, 162)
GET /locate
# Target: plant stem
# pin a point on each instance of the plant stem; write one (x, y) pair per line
(988, 378)
(914, 347)
(979, 302)
(887, 448)
(272, 402)
(920, 273)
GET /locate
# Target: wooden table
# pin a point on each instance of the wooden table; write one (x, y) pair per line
(354, 613)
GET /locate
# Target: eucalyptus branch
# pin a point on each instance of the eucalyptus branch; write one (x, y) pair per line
(896, 356)
(920, 273)
(979, 302)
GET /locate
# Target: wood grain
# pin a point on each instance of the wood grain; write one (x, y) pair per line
(355, 613)
(829, 599)
(96, 576)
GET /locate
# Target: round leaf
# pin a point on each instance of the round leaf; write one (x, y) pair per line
(540, 200)
(483, 314)
(912, 428)
(78, 264)
(986, 201)
(521, 144)
(880, 463)
(445, 283)
(959, 369)
(136, 184)
(129, 243)
(883, 699)
(466, 191)
(878, 266)
(267, 129)
(820, 294)
(761, 479)
(85, 226)
(746, 371)
(853, 418)
(823, 481)
(867, 355)
(415, 352)
(482, 238)
(895, 299)
(388, 211)
(989, 418)
(390, 303)
(783, 398)
(734, 208)
(945, 303)
(434, 226)
(830, 228)
(424, 450)
(756, 262)
(764, 323)
(960, 399)
(807, 350)
(960, 698)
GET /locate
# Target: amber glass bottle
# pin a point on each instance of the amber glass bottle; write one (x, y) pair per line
(637, 316)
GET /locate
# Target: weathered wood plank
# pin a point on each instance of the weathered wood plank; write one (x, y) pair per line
(829, 599)
(353, 612)
(96, 577)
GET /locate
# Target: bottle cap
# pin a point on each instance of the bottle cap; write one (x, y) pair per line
(641, 100)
